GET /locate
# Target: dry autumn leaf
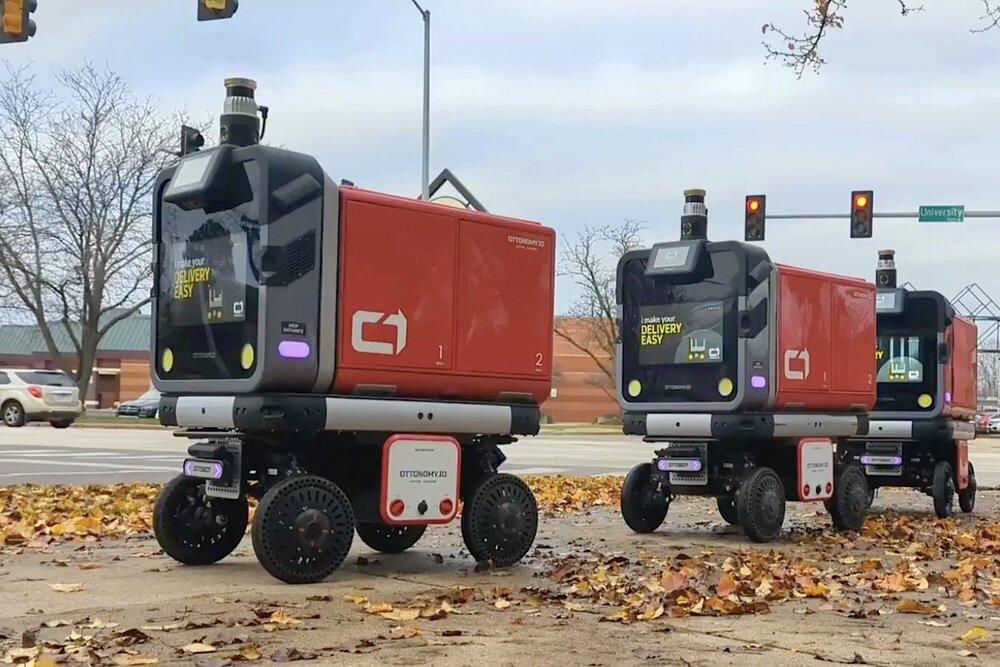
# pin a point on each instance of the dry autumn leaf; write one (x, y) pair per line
(198, 647)
(129, 659)
(911, 606)
(66, 588)
(975, 633)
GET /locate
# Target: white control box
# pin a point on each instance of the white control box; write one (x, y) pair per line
(420, 479)
(814, 458)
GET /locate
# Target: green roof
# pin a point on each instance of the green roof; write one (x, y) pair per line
(129, 335)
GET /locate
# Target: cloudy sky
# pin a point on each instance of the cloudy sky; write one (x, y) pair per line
(577, 112)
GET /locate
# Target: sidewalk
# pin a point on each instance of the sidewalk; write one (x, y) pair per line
(694, 593)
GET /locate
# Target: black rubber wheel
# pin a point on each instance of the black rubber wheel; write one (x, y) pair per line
(303, 529)
(193, 528)
(500, 520)
(851, 499)
(390, 539)
(871, 496)
(760, 504)
(727, 508)
(12, 414)
(643, 506)
(943, 489)
(61, 423)
(967, 497)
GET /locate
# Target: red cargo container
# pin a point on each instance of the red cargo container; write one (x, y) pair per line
(823, 320)
(961, 377)
(439, 302)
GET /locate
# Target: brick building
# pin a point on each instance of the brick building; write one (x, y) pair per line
(581, 392)
(121, 371)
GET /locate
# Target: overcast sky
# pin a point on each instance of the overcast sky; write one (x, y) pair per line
(575, 112)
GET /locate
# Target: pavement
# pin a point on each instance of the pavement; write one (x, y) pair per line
(125, 602)
(108, 455)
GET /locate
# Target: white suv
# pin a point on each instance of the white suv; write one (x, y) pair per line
(36, 395)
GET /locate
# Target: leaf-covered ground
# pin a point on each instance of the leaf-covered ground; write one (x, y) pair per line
(83, 583)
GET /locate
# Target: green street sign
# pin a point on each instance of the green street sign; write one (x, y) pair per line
(941, 214)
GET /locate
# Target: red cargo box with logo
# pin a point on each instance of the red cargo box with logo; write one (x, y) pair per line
(825, 321)
(439, 302)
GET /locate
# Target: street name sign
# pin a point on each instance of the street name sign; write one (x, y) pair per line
(941, 214)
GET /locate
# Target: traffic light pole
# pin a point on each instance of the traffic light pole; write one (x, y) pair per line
(842, 216)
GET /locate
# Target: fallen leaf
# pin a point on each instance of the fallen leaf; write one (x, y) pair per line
(401, 614)
(290, 655)
(911, 606)
(198, 647)
(129, 659)
(399, 632)
(90, 566)
(502, 604)
(974, 633)
(66, 588)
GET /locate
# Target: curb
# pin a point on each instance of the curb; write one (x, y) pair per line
(154, 426)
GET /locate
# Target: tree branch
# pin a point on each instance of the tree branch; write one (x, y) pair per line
(991, 18)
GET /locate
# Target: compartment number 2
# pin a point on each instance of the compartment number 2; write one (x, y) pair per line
(538, 359)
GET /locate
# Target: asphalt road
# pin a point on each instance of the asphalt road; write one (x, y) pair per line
(93, 455)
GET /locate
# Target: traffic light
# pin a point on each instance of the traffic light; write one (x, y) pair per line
(16, 24)
(753, 227)
(210, 10)
(861, 214)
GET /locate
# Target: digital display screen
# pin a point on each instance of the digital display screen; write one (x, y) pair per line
(683, 333)
(208, 282)
(898, 359)
(671, 257)
(190, 171)
(885, 300)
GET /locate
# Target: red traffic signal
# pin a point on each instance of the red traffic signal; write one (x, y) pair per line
(861, 214)
(753, 224)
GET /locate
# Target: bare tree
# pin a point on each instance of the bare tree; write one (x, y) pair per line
(76, 177)
(590, 325)
(800, 51)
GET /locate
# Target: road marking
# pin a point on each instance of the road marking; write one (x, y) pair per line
(84, 464)
(72, 472)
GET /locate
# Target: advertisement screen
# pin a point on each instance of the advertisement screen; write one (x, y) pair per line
(682, 333)
(898, 359)
(208, 280)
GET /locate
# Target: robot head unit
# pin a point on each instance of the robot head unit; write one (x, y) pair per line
(925, 354)
(237, 242)
(719, 327)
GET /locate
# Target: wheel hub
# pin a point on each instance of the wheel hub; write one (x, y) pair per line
(770, 507)
(510, 519)
(312, 527)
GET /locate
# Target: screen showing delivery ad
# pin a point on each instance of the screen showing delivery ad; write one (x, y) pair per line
(682, 333)
(898, 359)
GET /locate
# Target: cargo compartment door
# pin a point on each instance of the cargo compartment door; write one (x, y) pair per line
(398, 288)
(505, 300)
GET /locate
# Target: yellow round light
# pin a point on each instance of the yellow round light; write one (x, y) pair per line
(634, 388)
(924, 400)
(167, 362)
(861, 201)
(246, 356)
(725, 387)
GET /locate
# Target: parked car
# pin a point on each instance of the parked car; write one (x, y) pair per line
(982, 420)
(993, 425)
(146, 405)
(33, 395)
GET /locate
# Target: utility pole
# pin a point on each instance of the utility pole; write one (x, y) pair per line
(425, 183)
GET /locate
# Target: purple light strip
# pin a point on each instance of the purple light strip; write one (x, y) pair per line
(293, 349)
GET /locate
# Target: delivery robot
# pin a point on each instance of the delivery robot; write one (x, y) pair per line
(744, 374)
(927, 379)
(352, 360)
